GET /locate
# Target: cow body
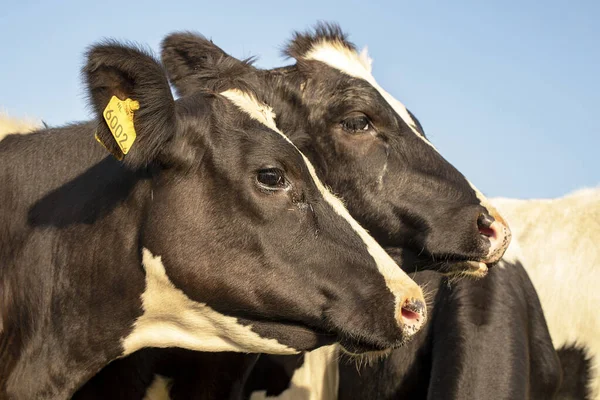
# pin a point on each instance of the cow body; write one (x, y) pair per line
(486, 339)
(560, 243)
(44, 220)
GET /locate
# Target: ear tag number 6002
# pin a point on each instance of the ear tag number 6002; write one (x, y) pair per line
(118, 115)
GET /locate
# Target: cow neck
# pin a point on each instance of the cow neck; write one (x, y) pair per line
(89, 299)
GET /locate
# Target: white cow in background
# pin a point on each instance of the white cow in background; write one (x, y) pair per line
(560, 242)
(14, 125)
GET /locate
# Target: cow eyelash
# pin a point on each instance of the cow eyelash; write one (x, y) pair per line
(357, 124)
(272, 179)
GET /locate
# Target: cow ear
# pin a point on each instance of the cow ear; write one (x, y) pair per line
(130, 95)
(194, 63)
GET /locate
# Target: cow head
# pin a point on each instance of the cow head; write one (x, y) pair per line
(364, 144)
(243, 248)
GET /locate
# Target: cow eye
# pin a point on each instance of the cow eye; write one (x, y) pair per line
(357, 124)
(271, 179)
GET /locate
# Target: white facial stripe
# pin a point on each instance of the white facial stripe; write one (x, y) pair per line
(171, 319)
(338, 56)
(256, 109)
(396, 280)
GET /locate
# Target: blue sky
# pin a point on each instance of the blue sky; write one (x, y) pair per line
(508, 91)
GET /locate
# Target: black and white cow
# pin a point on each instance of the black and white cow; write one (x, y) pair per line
(368, 147)
(213, 233)
(373, 152)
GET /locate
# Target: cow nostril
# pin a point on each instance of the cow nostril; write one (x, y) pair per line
(485, 220)
(484, 224)
(494, 234)
(410, 315)
(413, 315)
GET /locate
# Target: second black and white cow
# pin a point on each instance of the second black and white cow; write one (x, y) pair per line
(213, 233)
(379, 165)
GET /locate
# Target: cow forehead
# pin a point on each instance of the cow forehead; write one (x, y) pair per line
(358, 65)
(255, 109)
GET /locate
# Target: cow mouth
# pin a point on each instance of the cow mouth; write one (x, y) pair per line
(366, 354)
(456, 266)
(360, 349)
(475, 269)
(295, 334)
(451, 265)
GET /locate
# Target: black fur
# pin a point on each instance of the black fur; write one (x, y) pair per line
(576, 366)
(486, 339)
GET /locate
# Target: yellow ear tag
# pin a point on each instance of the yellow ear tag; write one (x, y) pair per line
(119, 117)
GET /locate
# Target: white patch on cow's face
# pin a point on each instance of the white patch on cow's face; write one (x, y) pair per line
(340, 57)
(396, 280)
(350, 62)
(159, 389)
(171, 319)
(317, 379)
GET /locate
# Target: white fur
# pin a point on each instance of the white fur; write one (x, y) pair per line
(560, 240)
(337, 55)
(396, 280)
(10, 125)
(171, 319)
(316, 379)
(159, 389)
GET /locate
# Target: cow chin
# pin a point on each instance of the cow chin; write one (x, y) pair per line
(472, 269)
(303, 338)
(444, 264)
(356, 350)
(297, 336)
(366, 357)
